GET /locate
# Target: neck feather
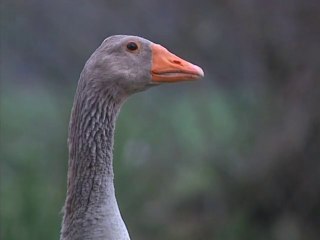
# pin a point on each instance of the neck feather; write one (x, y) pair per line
(91, 210)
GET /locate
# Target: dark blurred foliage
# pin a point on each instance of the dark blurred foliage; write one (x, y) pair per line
(234, 156)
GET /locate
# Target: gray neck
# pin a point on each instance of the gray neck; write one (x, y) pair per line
(91, 210)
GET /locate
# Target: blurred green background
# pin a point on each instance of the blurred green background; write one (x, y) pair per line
(234, 156)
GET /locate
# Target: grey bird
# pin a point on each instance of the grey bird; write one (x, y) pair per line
(120, 67)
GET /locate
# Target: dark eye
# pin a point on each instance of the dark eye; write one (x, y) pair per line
(132, 46)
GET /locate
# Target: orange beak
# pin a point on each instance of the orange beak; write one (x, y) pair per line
(167, 67)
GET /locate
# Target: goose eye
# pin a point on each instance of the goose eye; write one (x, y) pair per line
(132, 46)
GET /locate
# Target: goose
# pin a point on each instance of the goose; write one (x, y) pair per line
(121, 66)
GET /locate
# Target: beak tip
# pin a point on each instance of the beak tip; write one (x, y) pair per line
(199, 71)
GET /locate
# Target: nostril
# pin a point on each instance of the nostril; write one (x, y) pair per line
(176, 62)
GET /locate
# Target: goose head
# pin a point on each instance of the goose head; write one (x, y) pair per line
(129, 64)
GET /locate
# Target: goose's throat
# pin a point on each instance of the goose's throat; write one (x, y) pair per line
(90, 193)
